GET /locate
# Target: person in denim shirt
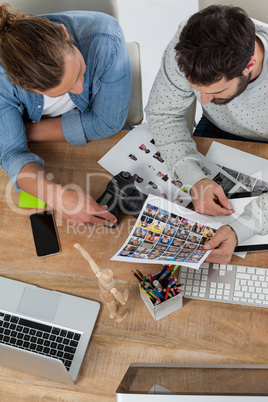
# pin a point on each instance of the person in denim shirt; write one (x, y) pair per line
(76, 58)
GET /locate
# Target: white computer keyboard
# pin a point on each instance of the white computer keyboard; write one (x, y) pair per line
(226, 283)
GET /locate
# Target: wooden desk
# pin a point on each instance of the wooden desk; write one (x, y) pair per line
(201, 332)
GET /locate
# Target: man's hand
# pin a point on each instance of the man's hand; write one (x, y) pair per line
(80, 209)
(223, 243)
(208, 198)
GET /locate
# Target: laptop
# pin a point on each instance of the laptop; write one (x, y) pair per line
(44, 332)
(193, 383)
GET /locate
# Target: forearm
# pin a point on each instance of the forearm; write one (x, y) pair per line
(73, 205)
(45, 130)
(33, 180)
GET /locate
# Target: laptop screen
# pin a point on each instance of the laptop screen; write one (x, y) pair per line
(213, 380)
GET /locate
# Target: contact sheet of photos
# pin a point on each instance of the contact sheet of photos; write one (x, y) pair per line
(163, 233)
(137, 154)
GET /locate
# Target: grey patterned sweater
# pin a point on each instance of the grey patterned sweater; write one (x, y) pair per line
(246, 116)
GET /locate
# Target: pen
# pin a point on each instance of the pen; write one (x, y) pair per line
(140, 274)
(165, 274)
(157, 285)
(162, 271)
(167, 292)
(155, 291)
(174, 269)
(158, 301)
(148, 294)
(136, 276)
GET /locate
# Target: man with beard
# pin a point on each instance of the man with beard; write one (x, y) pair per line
(219, 57)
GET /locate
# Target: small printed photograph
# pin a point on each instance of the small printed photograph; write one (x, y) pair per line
(130, 247)
(187, 250)
(133, 157)
(177, 183)
(138, 255)
(182, 257)
(139, 232)
(186, 224)
(125, 254)
(169, 230)
(152, 257)
(156, 252)
(182, 234)
(157, 156)
(209, 232)
(198, 229)
(260, 186)
(174, 220)
(152, 236)
(150, 210)
(193, 259)
(137, 178)
(162, 215)
(143, 147)
(145, 222)
(152, 184)
(164, 195)
(169, 254)
(147, 244)
(197, 256)
(231, 172)
(174, 249)
(135, 241)
(178, 199)
(177, 243)
(190, 245)
(164, 257)
(162, 176)
(143, 250)
(157, 226)
(165, 240)
(194, 238)
(199, 251)
(161, 247)
(224, 182)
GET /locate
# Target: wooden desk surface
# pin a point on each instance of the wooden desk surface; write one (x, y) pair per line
(201, 332)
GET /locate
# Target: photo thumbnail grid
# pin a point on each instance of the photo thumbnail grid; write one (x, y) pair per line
(162, 235)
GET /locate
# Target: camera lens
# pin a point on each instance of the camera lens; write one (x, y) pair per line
(125, 175)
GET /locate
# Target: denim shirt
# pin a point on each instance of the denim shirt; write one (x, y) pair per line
(102, 107)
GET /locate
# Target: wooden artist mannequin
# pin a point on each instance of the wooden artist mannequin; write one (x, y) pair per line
(106, 284)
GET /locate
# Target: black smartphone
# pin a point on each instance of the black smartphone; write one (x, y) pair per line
(44, 233)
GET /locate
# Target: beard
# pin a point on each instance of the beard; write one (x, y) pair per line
(242, 85)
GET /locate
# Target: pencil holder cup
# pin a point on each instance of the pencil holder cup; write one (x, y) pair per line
(163, 309)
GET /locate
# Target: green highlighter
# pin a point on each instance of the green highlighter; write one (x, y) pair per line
(29, 201)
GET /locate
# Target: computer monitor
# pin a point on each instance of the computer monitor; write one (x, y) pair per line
(194, 383)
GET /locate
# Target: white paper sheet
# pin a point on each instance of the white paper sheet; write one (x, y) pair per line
(168, 233)
(137, 154)
(250, 170)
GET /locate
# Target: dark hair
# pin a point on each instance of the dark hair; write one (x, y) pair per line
(32, 50)
(216, 42)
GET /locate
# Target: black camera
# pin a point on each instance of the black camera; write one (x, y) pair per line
(121, 195)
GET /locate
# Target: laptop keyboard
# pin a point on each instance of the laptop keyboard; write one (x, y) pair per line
(226, 283)
(39, 338)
